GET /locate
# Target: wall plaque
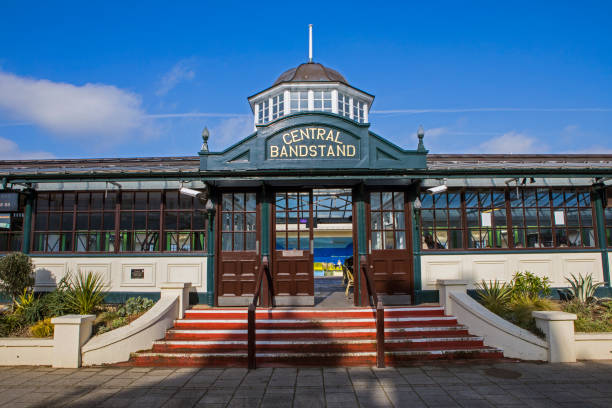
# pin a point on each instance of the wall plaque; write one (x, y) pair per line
(137, 273)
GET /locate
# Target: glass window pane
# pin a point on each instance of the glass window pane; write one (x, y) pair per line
(227, 222)
(126, 220)
(184, 220)
(399, 220)
(68, 201)
(140, 200)
(375, 201)
(588, 238)
(140, 220)
(110, 200)
(185, 203)
(127, 201)
(54, 221)
(226, 241)
(586, 217)
(97, 201)
(199, 220)
(454, 200)
(455, 240)
(170, 221)
(95, 221)
(376, 240)
(387, 220)
(109, 221)
(398, 201)
(153, 221)
(67, 220)
(441, 218)
(239, 222)
(42, 201)
(389, 242)
(251, 238)
(251, 202)
(544, 216)
(239, 202)
(585, 199)
(41, 221)
(454, 218)
(426, 218)
(543, 198)
(400, 240)
(546, 237)
(238, 242)
(250, 221)
(387, 202)
(441, 239)
(471, 199)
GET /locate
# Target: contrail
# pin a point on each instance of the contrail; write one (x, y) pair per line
(196, 115)
(468, 110)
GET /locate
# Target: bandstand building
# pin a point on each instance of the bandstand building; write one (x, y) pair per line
(311, 186)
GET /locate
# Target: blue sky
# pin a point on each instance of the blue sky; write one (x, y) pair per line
(87, 79)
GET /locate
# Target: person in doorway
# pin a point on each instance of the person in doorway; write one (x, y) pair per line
(348, 264)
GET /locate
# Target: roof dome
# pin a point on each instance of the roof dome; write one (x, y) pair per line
(310, 72)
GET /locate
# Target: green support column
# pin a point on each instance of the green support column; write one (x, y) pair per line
(601, 234)
(416, 246)
(362, 246)
(210, 260)
(27, 221)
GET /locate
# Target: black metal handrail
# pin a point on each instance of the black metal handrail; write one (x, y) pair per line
(379, 315)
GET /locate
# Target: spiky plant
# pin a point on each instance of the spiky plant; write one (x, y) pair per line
(494, 295)
(582, 288)
(85, 292)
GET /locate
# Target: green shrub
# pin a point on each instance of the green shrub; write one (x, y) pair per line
(582, 287)
(56, 302)
(118, 322)
(10, 323)
(32, 312)
(24, 300)
(135, 305)
(85, 292)
(527, 284)
(43, 328)
(494, 295)
(521, 307)
(591, 317)
(16, 274)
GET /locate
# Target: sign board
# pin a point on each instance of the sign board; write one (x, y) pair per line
(559, 217)
(5, 221)
(312, 142)
(9, 201)
(137, 273)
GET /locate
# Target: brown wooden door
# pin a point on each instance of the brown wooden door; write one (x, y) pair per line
(238, 243)
(390, 245)
(292, 268)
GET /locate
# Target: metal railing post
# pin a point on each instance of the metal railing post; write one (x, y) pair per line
(251, 337)
(380, 335)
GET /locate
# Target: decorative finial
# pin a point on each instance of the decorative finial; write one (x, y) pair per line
(205, 135)
(421, 135)
(309, 42)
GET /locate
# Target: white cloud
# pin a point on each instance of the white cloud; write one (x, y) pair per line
(70, 110)
(9, 150)
(512, 142)
(181, 71)
(230, 131)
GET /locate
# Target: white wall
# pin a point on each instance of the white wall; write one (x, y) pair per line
(478, 266)
(117, 271)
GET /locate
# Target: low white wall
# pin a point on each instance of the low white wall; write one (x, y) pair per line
(475, 267)
(115, 346)
(15, 351)
(593, 346)
(497, 332)
(122, 274)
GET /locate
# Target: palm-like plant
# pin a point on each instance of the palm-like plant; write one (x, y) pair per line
(582, 287)
(85, 292)
(494, 295)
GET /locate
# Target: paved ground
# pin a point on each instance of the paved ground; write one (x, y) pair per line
(436, 385)
(329, 292)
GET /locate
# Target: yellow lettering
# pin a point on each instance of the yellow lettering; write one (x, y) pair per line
(313, 150)
(304, 134)
(350, 150)
(287, 141)
(330, 151)
(322, 149)
(330, 135)
(294, 136)
(283, 152)
(320, 134)
(337, 136)
(341, 150)
(293, 151)
(303, 150)
(273, 151)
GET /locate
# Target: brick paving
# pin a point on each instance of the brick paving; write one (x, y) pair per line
(473, 385)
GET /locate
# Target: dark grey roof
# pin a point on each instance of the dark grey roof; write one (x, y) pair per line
(191, 164)
(310, 72)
